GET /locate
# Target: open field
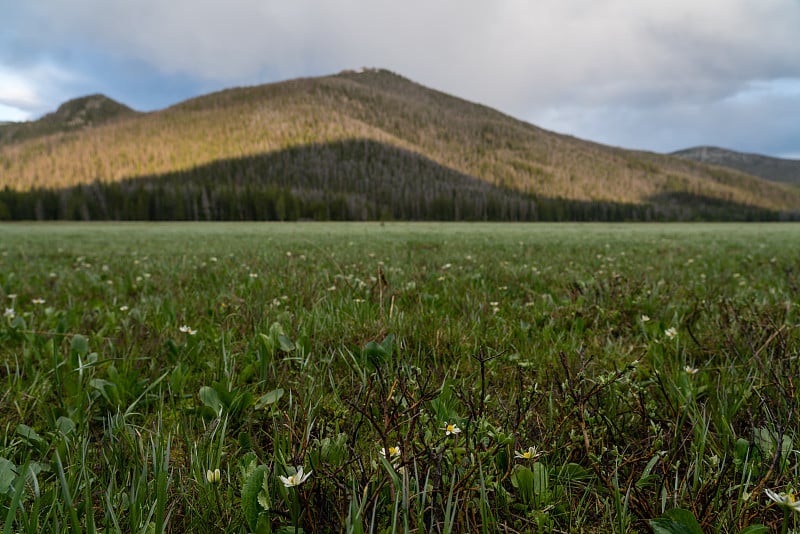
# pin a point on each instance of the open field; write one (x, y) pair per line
(599, 377)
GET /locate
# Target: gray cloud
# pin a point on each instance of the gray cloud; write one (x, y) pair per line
(760, 119)
(592, 66)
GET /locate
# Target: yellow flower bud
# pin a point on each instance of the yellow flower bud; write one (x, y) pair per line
(214, 476)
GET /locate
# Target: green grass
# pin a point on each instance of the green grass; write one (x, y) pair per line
(320, 345)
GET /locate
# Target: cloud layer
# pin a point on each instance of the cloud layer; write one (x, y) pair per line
(641, 74)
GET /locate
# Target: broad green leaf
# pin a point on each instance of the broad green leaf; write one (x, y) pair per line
(574, 472)
(7, 475)
(275, 330)
(676, 521)
(647, 478)
(541, 480)
(65, 425)
(263, 495)
(741, 450)
(250, 490)
(377, 353)
(768, 441)
(18, 323)
(334, 451)
(285, 344)
(374, 349)
(524, 480)
(387, 344)
(107, 389)
(210, 398)
(247, 464)
(754, 529)
(28, 433)
(80, 345)
(269, 398)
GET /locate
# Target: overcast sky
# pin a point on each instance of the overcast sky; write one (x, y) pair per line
(648, 74)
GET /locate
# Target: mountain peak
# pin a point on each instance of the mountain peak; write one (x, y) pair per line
(75, 114)
(87, 111)
(775, 169)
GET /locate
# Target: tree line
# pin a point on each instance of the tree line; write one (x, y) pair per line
(193, 202)
(356, 180)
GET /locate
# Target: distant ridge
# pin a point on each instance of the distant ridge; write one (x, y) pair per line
(775, 169)
(363, 145)
(76, 114)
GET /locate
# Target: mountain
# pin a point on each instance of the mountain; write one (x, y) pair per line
(72, 115)
(776, 169)
(362, 144)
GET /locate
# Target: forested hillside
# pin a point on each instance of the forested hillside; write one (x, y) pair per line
(357, 145)
(776, 169)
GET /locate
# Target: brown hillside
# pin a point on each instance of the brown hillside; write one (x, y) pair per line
(470, 139)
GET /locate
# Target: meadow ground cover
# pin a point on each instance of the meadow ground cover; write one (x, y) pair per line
(399, 378)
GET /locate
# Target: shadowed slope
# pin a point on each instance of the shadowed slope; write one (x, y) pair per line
(358, 179)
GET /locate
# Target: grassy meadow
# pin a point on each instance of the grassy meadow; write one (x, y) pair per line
(399, 377)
